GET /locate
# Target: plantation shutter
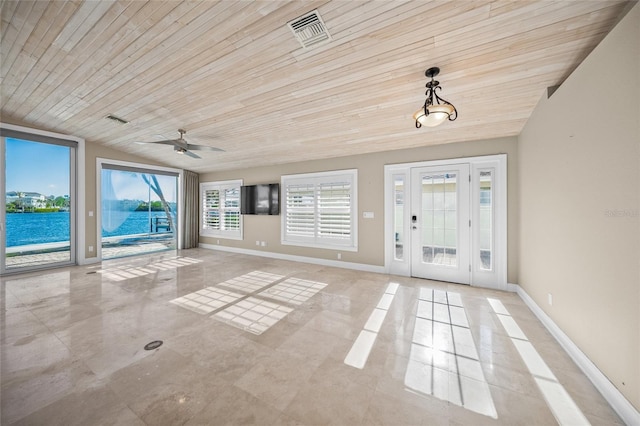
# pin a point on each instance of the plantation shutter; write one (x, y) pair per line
(320, 209)
(300, 211)
(231, 209)
(334, 211)
(211, 212)
(221, 209)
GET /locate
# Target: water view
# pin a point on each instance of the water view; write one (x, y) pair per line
(37, 228)
(136, 208)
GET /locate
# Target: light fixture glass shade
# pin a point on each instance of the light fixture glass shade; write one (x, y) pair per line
(438, 114)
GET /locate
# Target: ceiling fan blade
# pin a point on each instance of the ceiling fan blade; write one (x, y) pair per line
(191, 154)
(165, 142)
(204, 148)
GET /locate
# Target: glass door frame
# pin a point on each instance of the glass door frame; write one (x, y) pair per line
(144, 168)
(76, 192)
(497, 277)
(460, 272)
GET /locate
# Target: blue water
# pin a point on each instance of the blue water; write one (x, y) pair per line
(36, 228)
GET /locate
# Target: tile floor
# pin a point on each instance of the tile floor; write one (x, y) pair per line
(251, 340)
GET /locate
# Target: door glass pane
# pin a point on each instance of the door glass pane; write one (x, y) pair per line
(139, 213)
(486, 219)
(439, 219)
(398, 213)
(37, 205)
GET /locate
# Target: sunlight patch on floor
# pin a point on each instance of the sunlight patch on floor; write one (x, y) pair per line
(444, 361)
(561, 404)
(124, 272)
(258, 302)
(359, 353)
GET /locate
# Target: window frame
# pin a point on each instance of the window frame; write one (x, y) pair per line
(221, 186)
(315, 179)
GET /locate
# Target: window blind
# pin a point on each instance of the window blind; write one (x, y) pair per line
(320, 209)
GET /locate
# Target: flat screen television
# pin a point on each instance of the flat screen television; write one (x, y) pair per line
(260, 199)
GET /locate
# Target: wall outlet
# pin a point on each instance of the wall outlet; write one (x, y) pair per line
(90, 249)
(257, 243)
(217, 241)
(550, 299)
(90, 213)
(339, 256)
(263, 243)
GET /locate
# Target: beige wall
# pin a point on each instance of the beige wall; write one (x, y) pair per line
(92, 152)
(370, 198)
(579, 158)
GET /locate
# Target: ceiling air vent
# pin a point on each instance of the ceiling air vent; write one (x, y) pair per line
(309, 29)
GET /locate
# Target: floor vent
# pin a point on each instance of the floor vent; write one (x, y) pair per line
(310, 29)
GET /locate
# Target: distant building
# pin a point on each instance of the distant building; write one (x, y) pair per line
(27, 199)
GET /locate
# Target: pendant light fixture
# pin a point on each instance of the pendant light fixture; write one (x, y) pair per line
(435, 110)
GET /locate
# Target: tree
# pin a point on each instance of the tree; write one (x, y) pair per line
(61, 202)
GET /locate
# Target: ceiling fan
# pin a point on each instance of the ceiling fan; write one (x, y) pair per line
(181, 146)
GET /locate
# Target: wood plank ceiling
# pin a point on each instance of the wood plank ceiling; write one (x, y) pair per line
(233, 75)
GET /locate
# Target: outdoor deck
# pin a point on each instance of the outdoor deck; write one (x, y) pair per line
(113, 247)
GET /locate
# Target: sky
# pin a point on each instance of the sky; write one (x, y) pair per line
(121, 185)
(37, 167)
(44, 168)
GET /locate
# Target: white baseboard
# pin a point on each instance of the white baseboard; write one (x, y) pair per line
(614, 397)
(293, 258)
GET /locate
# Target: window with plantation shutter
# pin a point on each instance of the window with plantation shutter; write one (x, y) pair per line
(319, 210)
(220, 209)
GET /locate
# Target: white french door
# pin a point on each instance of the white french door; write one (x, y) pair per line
(440, 215)
(446, 220)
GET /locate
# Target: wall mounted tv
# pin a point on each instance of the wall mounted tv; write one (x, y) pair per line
(260, 199)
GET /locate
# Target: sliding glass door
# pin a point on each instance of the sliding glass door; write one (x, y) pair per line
(139, 211)
(38, 185)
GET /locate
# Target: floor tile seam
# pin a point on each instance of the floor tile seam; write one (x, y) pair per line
(259, 398)
(443, 323)
(446, 352)
(494, 387)
(455, 351)
(53, 331)
(61, 396)
(360, 418)
(457, 373)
